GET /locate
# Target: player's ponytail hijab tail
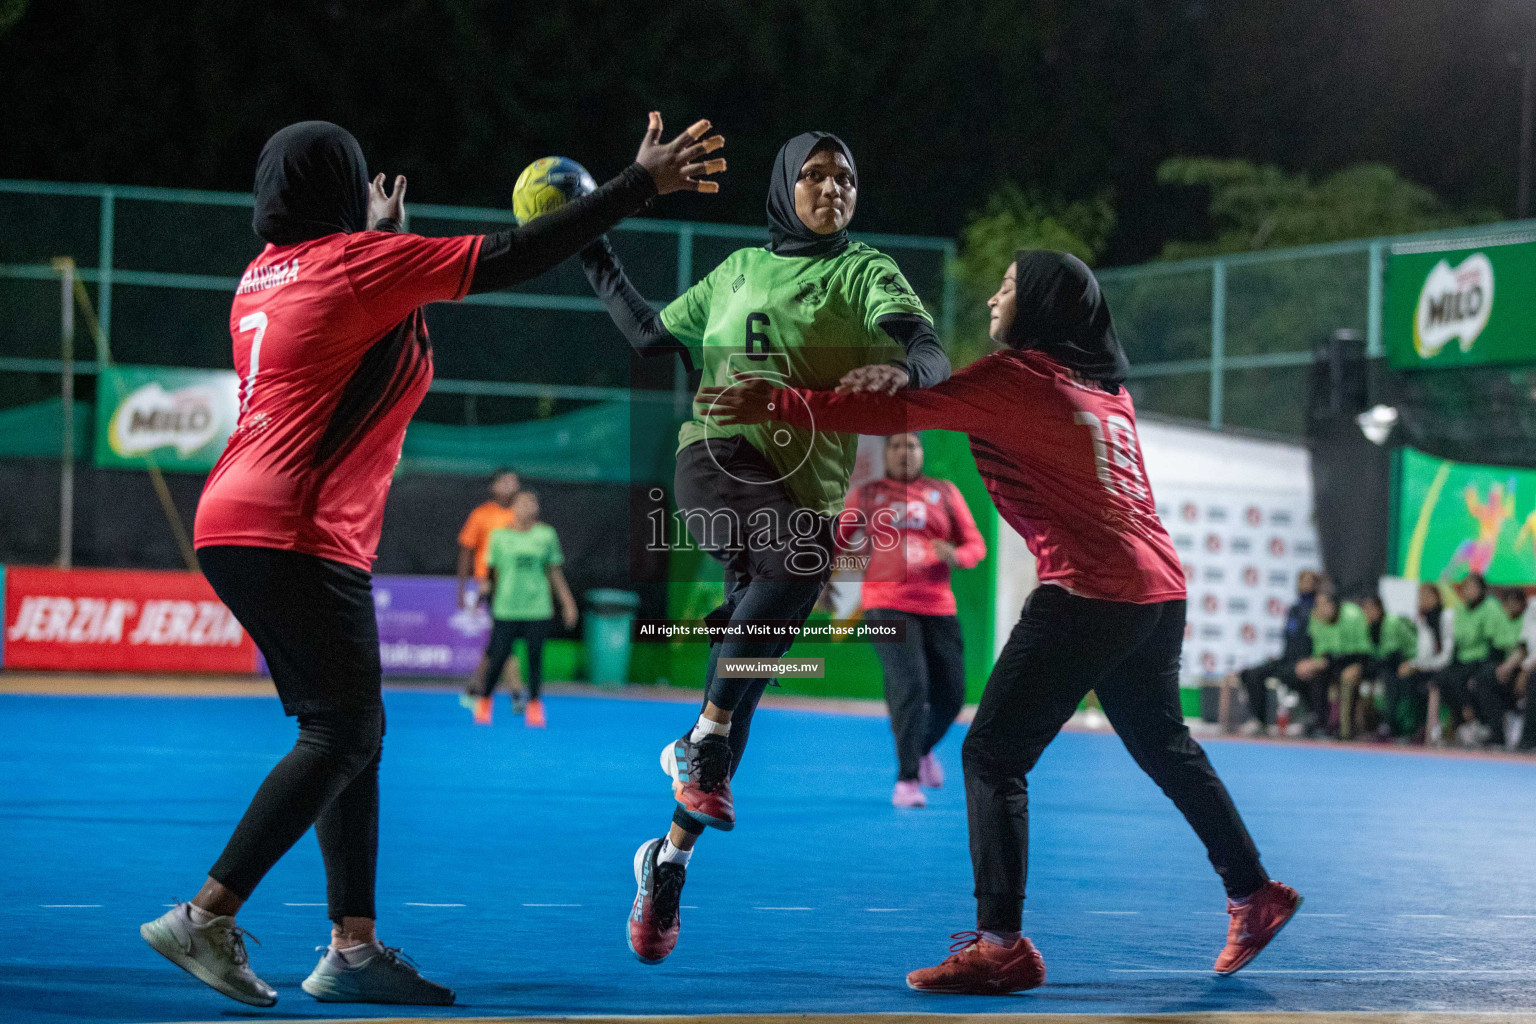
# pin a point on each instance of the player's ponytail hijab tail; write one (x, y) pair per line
(787, 233)
(1062, 312)
(311, 181)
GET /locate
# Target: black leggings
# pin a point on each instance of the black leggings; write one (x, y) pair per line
(1255, 679)
(1062, 647)
(505, 633)
(313, 620)
(924, 682)
(777, 557)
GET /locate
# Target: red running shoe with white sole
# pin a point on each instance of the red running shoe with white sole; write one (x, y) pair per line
(1255, 923)
(654, 920)
(980, 968)
(701, 779)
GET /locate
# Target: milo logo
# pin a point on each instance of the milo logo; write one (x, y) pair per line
(152, 417)
(1454, 303)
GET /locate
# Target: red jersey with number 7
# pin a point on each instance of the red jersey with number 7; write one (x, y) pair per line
(333, 358)
(1059, 456)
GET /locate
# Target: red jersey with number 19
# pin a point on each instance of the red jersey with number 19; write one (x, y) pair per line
(333, 358)
(1058, 454)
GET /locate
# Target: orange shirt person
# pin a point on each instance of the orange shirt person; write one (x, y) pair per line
(475, 537)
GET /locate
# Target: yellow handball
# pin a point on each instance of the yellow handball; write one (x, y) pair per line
(548, 184)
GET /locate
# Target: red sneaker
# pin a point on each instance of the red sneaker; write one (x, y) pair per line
(1255, 923)
(701, 779)
(980, 968)
(533, 714)
(483, 708)
(654, 920)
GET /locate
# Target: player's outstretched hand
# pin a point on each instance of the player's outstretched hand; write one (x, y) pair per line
(879, 379)
(384, 206)
(750, 401)
(680, 164)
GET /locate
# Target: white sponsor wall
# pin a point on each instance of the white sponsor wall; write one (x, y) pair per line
(1240, 514)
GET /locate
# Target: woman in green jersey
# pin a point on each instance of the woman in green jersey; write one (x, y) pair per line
(813, 309)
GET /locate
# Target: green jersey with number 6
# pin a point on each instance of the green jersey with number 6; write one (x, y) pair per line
(800, 321)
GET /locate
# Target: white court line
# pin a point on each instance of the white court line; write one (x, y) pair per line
(1116, 913)
(882, 910)
(547, 904)
(303, 904)
(68, 906)
(684, 906)
(1308, 913)
(435, 904)
(1516, 917)
(1423, 915)
(1322, 970)
(783, 908)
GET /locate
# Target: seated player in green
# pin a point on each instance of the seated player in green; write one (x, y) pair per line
(1394, 641)
(1341, 648)
(523, 563)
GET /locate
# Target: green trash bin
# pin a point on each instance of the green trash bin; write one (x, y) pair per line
(609, 614)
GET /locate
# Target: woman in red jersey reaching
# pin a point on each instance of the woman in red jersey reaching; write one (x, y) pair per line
(333, 358)
(1053, 432)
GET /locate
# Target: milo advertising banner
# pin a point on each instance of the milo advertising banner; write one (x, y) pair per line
(180, 418)
(1460, 307)
(1458, 517)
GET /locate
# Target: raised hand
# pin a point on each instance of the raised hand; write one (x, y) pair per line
(384, 206)
(679, 164)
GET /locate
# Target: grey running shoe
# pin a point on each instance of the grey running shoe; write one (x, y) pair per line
(388, 976)
(213, 953)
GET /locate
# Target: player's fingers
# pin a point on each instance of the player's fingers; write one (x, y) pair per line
(399, 193)
(378, 182)
(700, 149)
(706, 167)
(704, 186)
(692, 133)
(653, 129)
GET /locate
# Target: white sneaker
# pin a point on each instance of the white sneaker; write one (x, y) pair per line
(384, 975)
(1252, 727)
(213, 953)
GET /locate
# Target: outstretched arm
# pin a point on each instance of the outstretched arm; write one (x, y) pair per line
(508, 257)
(960, 403)
(632, 314)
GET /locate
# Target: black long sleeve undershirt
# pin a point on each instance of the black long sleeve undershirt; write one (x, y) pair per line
(926, 362)
(519, 254)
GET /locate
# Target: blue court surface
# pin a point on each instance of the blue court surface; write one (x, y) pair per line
(506, 868)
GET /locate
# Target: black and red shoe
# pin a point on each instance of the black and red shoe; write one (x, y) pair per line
(654, 920)
(701, 779)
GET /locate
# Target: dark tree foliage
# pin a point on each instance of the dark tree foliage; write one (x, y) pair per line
(943, 101)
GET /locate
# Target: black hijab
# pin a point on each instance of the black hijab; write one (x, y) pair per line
(787, 233)
(311, 181)
(1062, 313)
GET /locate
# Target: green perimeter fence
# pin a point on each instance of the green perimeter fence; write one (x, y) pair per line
(1224, 340)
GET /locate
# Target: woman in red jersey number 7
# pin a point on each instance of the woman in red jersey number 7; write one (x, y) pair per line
(333, 358)
(1054, 436)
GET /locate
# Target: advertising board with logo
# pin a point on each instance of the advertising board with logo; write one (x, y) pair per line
(1460, 307)
(118, 620)
(422, 629)
(180, 418)
(1241, 550)
(1452, 518)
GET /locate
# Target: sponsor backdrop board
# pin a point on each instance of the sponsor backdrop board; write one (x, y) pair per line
(1460, 307)
(117, 620)
(1241, 551)
(180, 418)
(422, 629)
(1454, 517)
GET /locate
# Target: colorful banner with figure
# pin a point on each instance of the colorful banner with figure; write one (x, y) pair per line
(180, 418)
(1447, 307)
(1458, 517)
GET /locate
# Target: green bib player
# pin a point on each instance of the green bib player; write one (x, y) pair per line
(811, 309)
